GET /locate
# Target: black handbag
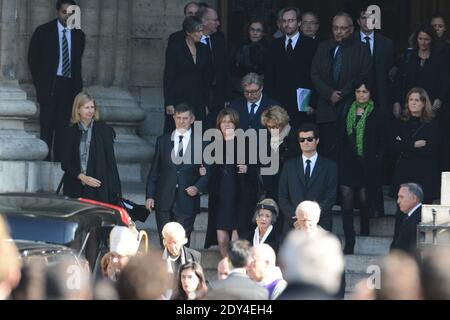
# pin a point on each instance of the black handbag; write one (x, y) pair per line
(136, 211)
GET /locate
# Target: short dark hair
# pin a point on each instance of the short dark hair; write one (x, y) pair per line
(310, 13)
(239, 253)
(306, 127)
(203, 11)
(183, 107)
(234, 117)
(429, 30)
(192, 24)
(60, 3)
(291, 8)
(188, 4)
(366, 83)
(441, 16)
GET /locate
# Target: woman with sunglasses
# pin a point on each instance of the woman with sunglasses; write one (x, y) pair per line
(362, 140)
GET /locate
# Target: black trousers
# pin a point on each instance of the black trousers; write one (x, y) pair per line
(328, 140)
(55, 117)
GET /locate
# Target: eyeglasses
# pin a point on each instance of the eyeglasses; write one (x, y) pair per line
(256, 30)
(247, 92)
(309, 139)
(309, 23)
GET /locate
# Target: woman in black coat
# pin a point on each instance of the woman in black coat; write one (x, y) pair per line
(232, 189)
(88, 162)
(360, 162)
(187, 73)
(415, 142)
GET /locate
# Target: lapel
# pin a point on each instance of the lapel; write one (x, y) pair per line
(301, 170)
(74, 46)
(55, 35)
(168, 147)
(246, 116)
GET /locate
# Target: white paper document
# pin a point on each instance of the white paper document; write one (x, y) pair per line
(303, 99)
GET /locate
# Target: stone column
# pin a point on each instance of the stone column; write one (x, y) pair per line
(17, 148)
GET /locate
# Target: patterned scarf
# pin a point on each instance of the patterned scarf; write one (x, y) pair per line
(360, 126)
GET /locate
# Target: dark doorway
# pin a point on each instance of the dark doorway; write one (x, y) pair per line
(398, 17)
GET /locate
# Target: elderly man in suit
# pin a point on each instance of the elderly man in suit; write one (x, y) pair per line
(174, 182)
(54, 59)
(253, 103)
(308, 177)
(288, 66)
(337, 65)
(238, 285)
(410, 197)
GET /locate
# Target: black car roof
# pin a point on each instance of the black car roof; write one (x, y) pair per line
(51, 206)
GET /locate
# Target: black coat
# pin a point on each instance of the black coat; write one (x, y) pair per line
(433, 76)
(419, 165)
(101, 164)
(246, 190)
(164, 177)
(272, 240)
(184, 80)
(43, 59)
(284, 74)
(292, 190)
(406, 238)
(375, 135)
(240, 105)
(356, 65)
(300, 291)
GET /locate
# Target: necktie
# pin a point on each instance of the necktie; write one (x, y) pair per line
(180, 146)
(367, 39)
(307, 171)
(252, 110)
(289, 48)
(337, 65)
(65, 56)
(208, 43)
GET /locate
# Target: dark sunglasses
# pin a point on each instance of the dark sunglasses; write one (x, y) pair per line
(302, 140)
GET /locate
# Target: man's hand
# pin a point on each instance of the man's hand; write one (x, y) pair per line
(397, 109)
(150, 204)
(242, 168)
(310, 111)
(170, 110)
(89, 181)
(202, 171)
(420, 144)
(335, 97)
(192, 191)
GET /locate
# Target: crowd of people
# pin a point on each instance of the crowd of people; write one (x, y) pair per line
(342, 116)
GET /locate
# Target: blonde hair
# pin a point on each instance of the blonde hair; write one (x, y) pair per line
(80, 100)
(275, 114)
(427, 112)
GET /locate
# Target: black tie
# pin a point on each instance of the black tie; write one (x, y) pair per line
(180, 147)
(367, 38)
(307, 171)
(252, 110)
(289, 48)
(65, 56)
(337, 65)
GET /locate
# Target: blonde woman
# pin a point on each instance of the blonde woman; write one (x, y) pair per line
(88, 161)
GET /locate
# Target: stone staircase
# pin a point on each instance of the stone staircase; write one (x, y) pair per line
(368, 250)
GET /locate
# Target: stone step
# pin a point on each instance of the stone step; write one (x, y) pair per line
(131, 172)
(351, 280)
(379, 227)
(360, 263)
(371, 245)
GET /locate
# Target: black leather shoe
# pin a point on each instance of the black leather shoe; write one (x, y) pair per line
(349, 247)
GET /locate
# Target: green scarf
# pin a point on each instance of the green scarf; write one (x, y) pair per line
(360, 126)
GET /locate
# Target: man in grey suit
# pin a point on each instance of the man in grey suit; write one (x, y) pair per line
(174, 189)
(238, 285)
(308, 177)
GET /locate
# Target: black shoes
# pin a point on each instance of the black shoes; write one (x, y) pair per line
(349, 246)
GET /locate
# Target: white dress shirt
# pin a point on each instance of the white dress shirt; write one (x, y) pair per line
(371, 41)
(414, 209)
(294, 38)
(203, 40)
(249, 105)
(69, 42)
(186, 139)
(313, 162)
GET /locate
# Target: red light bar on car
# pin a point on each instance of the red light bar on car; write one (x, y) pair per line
(124, 216)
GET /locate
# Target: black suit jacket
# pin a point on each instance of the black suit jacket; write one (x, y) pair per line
(322, 187)
(356, 65)
(184, 80)
(221, 72)
(406, 238)
(284, 74)
(241, 287)
(165, 176)
(43, 59)
(240, 105)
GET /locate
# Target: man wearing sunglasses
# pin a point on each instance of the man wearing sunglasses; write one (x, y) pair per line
(308, 177)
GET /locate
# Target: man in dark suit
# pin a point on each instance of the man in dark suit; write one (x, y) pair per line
(382, 53)
(238, 285)
(288, 67)
(215, 40)
(174, 183)
(337, 65)
(308, 177)
(410, 197)
(54, 59)
(253, 103)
